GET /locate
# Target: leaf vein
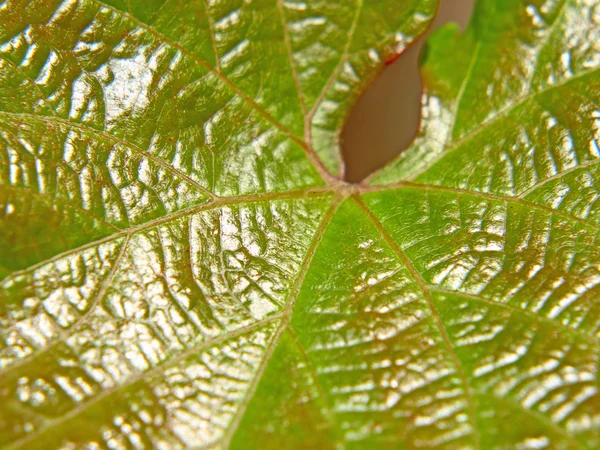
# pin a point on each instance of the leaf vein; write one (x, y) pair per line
(484, 195)
(211, 204)
(63, 334)
(89, 130)
(435, 314)
(288, 46)
(504, 112)
(287, 312)
(51, 424)
(263, 112)
(589, 338)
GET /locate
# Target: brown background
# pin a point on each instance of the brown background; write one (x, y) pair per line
(386, 117)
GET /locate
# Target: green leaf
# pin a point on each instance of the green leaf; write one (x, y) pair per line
(183, 268)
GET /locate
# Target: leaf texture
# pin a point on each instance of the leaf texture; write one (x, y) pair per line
(182, 268)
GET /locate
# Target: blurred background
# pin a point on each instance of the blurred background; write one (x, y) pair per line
(386, 117)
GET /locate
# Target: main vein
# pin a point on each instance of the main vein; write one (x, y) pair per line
(286, 314)
(312, 157)
(210, 204)
(434, 312)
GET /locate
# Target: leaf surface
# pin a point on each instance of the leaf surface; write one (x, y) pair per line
(182, 267)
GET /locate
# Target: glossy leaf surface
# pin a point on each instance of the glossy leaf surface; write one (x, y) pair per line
(182, 268)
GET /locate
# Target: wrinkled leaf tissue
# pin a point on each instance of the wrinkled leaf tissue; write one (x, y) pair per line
(182, 268)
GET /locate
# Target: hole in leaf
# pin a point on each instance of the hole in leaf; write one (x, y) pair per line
(386, 117)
